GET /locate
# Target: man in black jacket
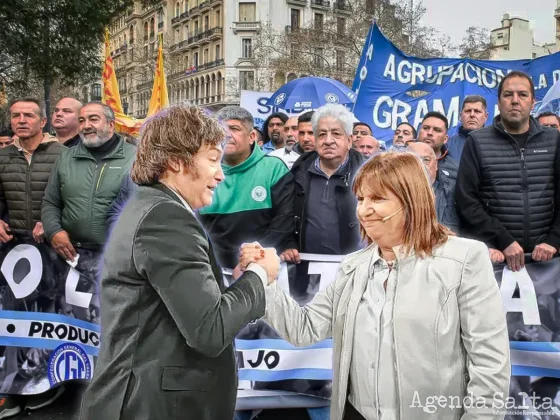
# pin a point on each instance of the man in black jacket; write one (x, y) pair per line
(433, 131)
(325, 207)
(25, 167)
(508, 192)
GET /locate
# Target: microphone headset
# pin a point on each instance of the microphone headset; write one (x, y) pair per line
(391, 215)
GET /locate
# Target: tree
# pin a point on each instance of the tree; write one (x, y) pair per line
(475, 44)
(55, 40)
(332, 46)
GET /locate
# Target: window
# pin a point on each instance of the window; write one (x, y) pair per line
(217, 55)
(145, 52)
(319, 60)
(247, 12)
(319, 18)
(206, 22)
(340, 26)
(96, 92)
(177, 35)
(131, 35)
(218, 18)
(295, 19)
(340, 60)
(195, 60)
(246, 80)
(247, 48)
(293, 52)
(205, 56)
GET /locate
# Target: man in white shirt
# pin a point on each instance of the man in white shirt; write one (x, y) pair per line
(287, 153)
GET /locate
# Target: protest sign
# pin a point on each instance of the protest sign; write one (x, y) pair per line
(50, 333)
(393, 87)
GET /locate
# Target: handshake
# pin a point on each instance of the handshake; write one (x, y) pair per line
(265, 257)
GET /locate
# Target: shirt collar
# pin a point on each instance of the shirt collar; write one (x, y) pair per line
(318, 165)
(187, 206)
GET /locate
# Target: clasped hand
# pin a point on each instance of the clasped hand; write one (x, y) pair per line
(265, 257)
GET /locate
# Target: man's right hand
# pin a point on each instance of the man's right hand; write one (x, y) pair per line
(496, 256)
(62, 245)
(4, 232)
(515, 257)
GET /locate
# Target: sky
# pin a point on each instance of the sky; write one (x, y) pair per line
(453, 17)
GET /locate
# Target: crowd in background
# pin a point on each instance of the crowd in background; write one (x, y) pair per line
(289, 184)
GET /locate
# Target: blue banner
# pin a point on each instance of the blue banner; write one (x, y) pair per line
(393, 87)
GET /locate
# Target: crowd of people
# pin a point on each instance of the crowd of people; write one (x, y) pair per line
(289, 185)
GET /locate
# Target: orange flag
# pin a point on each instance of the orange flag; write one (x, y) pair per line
(159, 99)
(112, 97)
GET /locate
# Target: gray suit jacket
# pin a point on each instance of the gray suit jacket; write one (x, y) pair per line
(167, 321)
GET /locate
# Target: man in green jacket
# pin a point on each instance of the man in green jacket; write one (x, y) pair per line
(255, 202)
(84, 182)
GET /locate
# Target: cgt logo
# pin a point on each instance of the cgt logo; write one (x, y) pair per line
(68, 362)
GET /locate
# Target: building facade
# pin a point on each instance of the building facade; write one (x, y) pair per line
(515, 39)
(208, 47)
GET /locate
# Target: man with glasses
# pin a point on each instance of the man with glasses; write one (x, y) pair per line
(442, 184)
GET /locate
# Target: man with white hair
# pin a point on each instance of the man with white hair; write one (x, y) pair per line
(325, 207)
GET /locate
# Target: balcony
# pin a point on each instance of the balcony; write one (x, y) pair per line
(205, 36)
(132, 16)
(297, 2)
(204, 5)
(320, 4)
(342, 6)
(215, 2)
(292, 29)
(183, 16)
(194, 11)
(211, 65)
(146, 85)
(124, 48)
(216, 33)
(175, 20)
(246, 27)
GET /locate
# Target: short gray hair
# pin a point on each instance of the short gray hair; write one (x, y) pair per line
(107, 110)
(336, 111)
(236, 113)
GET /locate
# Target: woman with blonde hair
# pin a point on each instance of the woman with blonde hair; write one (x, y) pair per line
(418, 326)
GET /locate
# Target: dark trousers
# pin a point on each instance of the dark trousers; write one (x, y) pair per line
(350, 413)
